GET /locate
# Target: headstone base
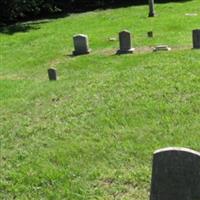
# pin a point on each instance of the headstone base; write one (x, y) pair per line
(76, 53)
(126, 51)
(152, 15)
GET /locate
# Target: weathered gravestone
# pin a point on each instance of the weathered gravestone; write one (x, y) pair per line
(81, 45)
(175, 175)
(52, 74)
(125, 43)
(196, 38)
(151, 8)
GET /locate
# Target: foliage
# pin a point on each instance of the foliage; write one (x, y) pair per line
(12, 10)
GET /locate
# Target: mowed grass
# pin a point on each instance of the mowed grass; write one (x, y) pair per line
(91, 134)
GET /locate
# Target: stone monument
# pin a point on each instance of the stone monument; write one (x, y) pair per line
(125, 43)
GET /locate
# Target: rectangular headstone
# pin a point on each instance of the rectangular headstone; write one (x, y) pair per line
(196, 38)
(175, 174)
(81, 44)
(52, 74)
(125, 43)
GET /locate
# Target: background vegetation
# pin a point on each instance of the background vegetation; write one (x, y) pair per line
(15, 10)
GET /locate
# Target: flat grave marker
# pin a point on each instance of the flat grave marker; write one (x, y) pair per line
(162, 48)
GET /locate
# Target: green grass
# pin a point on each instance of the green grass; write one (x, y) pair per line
(91, 134)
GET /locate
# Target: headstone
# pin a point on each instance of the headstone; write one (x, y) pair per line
(52, 74)
(175, 174)
(151, 8)
(162, 48)
(196, 38)
(150, 34)
(81, 45)
(125, 43)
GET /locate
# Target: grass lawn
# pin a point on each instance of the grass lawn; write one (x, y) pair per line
(91, 134)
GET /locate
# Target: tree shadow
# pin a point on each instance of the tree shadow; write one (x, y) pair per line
(10, 30)
(25, 26)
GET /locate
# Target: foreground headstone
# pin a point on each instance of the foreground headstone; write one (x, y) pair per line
(196, 38)
(175, 175)
(162, 48)
(52, 74)
(81, 44)
(151, 8)
(125, 43)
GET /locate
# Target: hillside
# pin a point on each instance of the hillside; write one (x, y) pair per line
(91, 134)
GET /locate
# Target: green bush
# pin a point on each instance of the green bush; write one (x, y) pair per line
(11, 10)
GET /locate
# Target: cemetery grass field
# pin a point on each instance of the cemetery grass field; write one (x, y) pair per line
(91, 134)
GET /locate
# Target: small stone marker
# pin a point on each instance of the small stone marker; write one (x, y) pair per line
(52, 74)
(150, 34)
(125, 43)
(81, 45)
(162, 48)
(196, 38)
(175, 174)
(151, 8)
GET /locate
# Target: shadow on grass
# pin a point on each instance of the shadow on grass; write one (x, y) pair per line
(25, 26)
(10, 30)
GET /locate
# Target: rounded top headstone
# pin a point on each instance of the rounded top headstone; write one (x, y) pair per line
(176, 149)
(175, 174)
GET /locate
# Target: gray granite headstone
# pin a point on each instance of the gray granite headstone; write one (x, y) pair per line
(52, 74)
(175, 174)
(81, 44)
(151, 8)
(125, 43)
(196, 38)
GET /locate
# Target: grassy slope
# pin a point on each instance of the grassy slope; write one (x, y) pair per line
(91, 134)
